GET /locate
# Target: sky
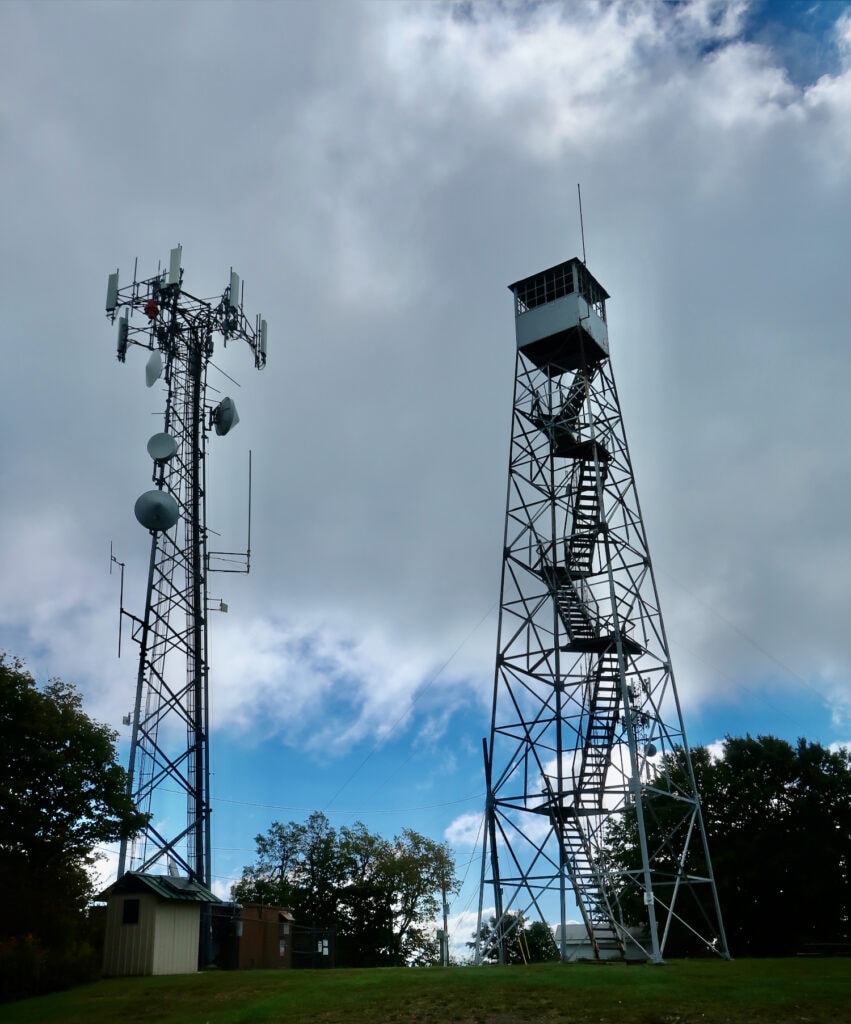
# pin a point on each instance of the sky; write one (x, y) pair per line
(377, 173)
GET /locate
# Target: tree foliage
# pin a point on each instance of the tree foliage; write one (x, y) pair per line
(61, 795)
(380, 895)
(522, 942)
(778, 823)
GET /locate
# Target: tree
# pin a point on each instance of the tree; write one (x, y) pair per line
(297, 866)
(365, 915)
(380, 895)
(61, 795)
(778, 823)
(488, 940)
(540, 943)
(417, 870)
(273, 878)
(522, 943)
(321, 871)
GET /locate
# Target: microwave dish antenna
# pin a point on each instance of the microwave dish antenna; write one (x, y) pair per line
(162, 447)
(153, 368)
(157, 510)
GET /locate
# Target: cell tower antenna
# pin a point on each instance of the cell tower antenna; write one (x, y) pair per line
(169, 763)
(587, 742)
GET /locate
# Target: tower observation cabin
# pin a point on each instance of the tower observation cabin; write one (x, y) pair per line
(560, 317)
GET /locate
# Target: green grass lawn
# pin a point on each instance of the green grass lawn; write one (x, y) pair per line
(800, 991)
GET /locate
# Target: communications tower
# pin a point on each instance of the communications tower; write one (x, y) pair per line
(592, 811)
(169, 766)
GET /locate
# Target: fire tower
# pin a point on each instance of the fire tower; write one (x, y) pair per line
(587, 735)
(169, 766)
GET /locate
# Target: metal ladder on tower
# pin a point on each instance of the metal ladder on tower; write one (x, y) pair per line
(576, 604)
(577, 609)
(604, 704)
(586, 881)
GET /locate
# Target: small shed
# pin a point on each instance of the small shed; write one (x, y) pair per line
(153, 924)
(580, 947)
(253, 936)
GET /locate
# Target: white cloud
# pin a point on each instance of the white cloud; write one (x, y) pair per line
(323, 687)
(105, 869)
(716, 750)
(377, 174)
(462, 929)
(465, 830)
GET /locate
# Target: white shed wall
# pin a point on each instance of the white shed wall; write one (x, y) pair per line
(129, 948)
(176, 938)
(163, 941)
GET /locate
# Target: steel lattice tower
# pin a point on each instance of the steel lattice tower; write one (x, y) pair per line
(169, 762)
(585, 709)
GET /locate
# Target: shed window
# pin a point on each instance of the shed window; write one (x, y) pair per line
(130, 912)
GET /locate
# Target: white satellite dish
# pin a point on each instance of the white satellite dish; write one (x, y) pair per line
(153, 369)
(225, 416)
(162, 447)
(157, 510)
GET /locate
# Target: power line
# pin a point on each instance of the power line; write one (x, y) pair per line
(419, 694)
(356, 810)
(791, 672)
(338, 810)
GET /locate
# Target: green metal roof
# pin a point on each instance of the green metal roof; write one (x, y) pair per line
(167, 887)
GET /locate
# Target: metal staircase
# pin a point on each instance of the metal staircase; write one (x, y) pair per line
(590, 897)
(586, 880)
(603, 715)
(578, 611)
